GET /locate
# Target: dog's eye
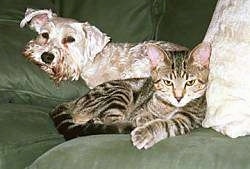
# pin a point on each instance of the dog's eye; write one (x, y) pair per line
(68, 39)
(45, 35)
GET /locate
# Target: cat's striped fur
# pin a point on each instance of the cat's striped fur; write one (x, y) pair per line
(171, 102)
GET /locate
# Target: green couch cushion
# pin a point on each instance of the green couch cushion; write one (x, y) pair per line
(203, 149)
(26, 132)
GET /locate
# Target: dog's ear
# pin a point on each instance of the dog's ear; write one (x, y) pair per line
(36, 18)
(95, 40)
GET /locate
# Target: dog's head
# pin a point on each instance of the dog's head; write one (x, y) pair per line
(63, 46)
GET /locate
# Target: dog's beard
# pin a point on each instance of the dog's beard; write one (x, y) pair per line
(69, 64)
(63, 67)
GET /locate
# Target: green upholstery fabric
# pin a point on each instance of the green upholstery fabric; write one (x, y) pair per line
(203, 149)
(26, 131)
(186, 22)
(27, 135)
(124, 21)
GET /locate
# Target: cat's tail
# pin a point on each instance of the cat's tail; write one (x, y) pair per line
(65, 125)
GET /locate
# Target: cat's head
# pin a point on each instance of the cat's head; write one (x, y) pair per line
(180, 77)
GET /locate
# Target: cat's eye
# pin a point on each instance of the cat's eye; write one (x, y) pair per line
(68, 39)
(45, 35)
(168, 82)
(190, 82)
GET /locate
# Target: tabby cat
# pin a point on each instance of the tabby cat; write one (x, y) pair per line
(171, 102)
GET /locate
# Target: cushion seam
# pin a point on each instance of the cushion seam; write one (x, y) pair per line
(27, 92)
(30, 141)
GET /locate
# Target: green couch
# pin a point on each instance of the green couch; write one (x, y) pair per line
(28, 138)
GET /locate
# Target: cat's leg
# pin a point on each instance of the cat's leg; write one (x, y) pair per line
(112, 116)
(107, 116)
(115, 121)
(110, 121)
(67, 123)
(142, 119)
(150, 133)
(92, 128)
(61, 116)
(156, 130)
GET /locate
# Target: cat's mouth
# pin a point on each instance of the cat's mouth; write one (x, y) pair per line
(169, 99)
(179, 103)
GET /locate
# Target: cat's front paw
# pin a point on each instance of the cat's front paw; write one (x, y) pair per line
(142, 138)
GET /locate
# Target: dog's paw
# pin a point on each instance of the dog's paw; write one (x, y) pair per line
(142, 138)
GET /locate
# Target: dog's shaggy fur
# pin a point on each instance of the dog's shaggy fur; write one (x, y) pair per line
(68, 49)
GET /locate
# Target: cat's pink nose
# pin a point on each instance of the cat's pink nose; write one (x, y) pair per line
(178, 98)
(178, 94)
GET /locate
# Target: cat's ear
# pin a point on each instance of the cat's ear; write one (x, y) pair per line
(200, 55)
(156, 55)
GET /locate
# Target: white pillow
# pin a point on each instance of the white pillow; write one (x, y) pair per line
(228, 92)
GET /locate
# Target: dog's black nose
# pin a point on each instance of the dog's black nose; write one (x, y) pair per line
(47, 57)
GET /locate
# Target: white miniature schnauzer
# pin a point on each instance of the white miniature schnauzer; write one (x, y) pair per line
(68, 49)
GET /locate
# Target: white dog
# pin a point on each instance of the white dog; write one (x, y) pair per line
(66, 48)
